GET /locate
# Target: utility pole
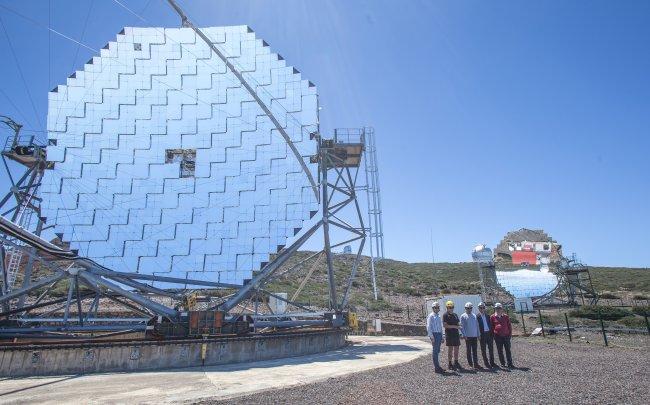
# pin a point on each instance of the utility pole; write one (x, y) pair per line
(433, 258)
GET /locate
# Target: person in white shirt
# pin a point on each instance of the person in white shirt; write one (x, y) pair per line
(434, 331)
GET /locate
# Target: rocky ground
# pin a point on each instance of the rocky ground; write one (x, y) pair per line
(548, 370)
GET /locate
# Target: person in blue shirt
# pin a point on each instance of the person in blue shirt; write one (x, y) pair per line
(470, 330)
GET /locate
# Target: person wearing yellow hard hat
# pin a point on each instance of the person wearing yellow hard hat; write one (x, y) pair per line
(452, 335)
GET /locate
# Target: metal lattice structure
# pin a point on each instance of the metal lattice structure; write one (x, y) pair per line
(373, 196)
(177, 160)
(574, 285)
(21, 204)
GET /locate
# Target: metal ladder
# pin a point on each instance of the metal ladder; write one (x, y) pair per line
(16, 255)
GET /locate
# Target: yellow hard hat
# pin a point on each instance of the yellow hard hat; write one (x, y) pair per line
(449, 304)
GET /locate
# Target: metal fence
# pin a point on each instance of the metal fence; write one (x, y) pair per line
(570, 326)
(549, 321)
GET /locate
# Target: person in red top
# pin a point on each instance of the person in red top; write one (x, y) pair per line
(502, 330)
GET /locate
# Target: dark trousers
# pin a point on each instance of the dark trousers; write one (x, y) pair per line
(472, 355)
(503, 343)
(487, 340)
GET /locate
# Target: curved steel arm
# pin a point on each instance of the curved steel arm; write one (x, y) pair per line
(187, 23)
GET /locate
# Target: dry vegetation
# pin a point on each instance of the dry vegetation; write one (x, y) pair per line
(401, 283)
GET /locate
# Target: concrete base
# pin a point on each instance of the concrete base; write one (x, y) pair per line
(191, 385)
(40, 360)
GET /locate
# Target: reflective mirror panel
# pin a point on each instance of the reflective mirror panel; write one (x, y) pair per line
(165, 164)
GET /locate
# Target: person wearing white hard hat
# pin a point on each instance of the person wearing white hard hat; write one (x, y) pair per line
(434, 331)
(470, 331)
(487, 338)
(502, 330)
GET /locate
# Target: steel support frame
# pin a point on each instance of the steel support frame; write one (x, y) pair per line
(112, 285)
(570, 285)
(336, 196)
(27, 203)
(338, 191)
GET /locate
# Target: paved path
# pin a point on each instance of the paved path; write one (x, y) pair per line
(192, 384)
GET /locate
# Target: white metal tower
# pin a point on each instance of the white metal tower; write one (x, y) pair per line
(375, 224)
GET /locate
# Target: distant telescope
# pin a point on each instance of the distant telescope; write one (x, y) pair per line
(482, 254)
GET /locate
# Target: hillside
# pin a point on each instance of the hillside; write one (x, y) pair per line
(402, 282)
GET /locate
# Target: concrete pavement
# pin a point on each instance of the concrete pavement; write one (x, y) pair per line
(193, 384)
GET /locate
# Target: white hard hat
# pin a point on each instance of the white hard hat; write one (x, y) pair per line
(435, 304)
(481, 304)
(469, 305)
(498, 305)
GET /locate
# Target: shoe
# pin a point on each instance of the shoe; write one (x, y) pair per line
(503, 365)
(477, 367)
(457, 366)
(492, 365)
(439, 370)
(451, 366)
(511, 365)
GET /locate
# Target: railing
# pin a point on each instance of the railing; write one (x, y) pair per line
(349, 135)
(22, 140)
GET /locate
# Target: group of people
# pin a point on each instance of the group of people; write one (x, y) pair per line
(474, 329)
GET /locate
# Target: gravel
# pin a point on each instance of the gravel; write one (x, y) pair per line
(549, 371)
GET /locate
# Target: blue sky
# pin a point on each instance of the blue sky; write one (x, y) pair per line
(489, 116)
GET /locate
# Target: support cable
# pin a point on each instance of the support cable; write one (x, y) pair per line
(20, 71)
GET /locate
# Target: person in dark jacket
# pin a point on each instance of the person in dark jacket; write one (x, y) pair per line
(486, 338)
(451, 323)
(502, 331)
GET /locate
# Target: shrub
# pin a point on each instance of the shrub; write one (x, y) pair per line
(512, 315)
(640, 297)
(596, 311)
(633, 322)
(609, 296)
(628, 286)
(380, 305)
(549, 320)
(643, 311)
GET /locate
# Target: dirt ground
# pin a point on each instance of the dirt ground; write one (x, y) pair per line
(549, 370)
